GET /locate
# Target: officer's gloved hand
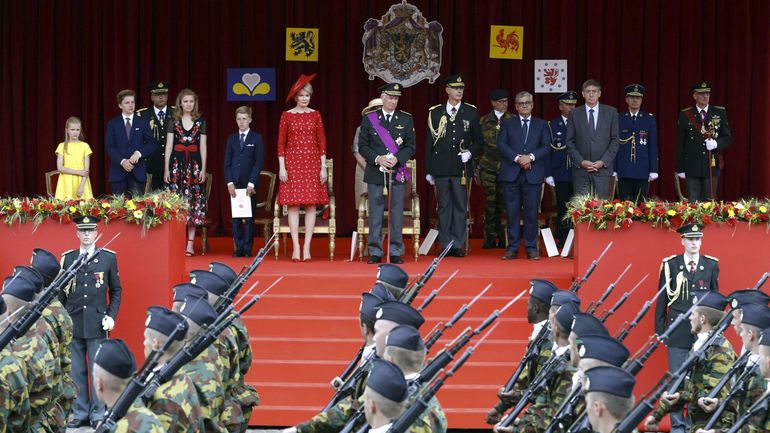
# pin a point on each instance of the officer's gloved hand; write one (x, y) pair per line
(549, 180)
(430, 180)
(615, 174)
(681, 175)
(711, 144)
(652, 177)
(465, 156)
(108, 323)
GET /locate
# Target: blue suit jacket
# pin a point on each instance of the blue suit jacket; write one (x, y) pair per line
(511, 142)
(119, 147)
(243, 166)
(642, 134)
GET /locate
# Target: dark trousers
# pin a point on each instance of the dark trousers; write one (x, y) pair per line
(564, 193)
(632, 189)
(493, 206)
(590, 183)
(130, 185)
(377, 202)
(700, 189)
(519, 195)
(243, 235)
(452, 199)
(83, 352)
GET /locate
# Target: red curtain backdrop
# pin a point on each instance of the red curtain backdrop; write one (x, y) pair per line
(64, 58)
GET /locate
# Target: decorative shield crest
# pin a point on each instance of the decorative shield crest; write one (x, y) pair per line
(402, 47)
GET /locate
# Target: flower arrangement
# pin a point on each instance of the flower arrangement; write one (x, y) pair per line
(622, 214)
(147, 210)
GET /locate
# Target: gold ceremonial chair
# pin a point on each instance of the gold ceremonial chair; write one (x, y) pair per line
(322, 225)
(263, 215)
(49, 182)
(205, 227)
(680, 190)
(411, 217)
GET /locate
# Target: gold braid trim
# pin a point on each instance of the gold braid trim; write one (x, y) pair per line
(437, 133)
(632, 139)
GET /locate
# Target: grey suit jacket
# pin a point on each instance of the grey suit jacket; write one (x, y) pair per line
(600, 144)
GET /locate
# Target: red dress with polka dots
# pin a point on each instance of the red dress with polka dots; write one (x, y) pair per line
(302, 141)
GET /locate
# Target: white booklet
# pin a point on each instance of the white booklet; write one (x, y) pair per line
(240, 205)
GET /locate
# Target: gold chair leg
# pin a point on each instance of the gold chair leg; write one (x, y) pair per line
(331, 246)
(204, 240)
(361, 247)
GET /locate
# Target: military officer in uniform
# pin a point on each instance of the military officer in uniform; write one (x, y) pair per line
(386, 141)
(92, 300)
(559, 169)
(636, 164)
(702, 133)
(455, 138)
(489, 167)
(158, 115)
(682, 274)
(609, 393)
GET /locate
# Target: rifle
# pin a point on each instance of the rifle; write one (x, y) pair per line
(533, 351)
(622, 299)
(738, 388)
(566, 410)
(593, 306)
(579, 282)
(758, 407)
(761, 281)
(435, 292)
(627, 327)
(229, 295)
(458, 315)
(408, 295)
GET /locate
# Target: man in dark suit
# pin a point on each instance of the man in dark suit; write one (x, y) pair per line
(636, 162)
(559, 170)
(455, 137)
(386, 142)
(681, 275)
(592, 142)
(93, 317)
(244, 156)
(524, 144)
(702, 132)
(128, 142)
(159, 115)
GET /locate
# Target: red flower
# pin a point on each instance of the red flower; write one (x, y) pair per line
(597, 214)
(676, 221)
(706, 218)
(731, 222)
(95, 211)
(65, 218)
(625, 224)
(25, 206)
(122, 212)
(158, 211)
(764, 217)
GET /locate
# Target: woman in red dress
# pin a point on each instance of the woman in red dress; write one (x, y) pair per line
(302, 163)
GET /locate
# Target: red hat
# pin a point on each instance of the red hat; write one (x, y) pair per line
(299, 84)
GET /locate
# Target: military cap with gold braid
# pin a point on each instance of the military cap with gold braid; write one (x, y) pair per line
(86, 222)
(569, 97)
(455, 81)
(634, 90)
(691, 231)
(392, 89)
(159, 87)
(701, 87)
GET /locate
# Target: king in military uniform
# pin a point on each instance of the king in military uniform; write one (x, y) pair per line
(702, 133)
(559, 168)
(636, 163)
(158, 115)
(455, 138)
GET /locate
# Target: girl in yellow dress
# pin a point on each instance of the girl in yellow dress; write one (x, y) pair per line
(73, 162)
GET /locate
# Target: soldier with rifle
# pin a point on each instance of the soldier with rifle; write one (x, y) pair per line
(746, 296)
(384, 396)
(14, 388)
(393, 278)
(113, 368)
(609, 397)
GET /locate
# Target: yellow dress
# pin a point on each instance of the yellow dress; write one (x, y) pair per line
(74, 159)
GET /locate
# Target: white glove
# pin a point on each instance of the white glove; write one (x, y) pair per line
(107, 323)
(652, 177)
(549, 180)
(430, 180)
(615, 174)
(681, 175)
(465, 156)
(711, 144)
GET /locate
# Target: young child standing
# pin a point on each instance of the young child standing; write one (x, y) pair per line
(73, 162)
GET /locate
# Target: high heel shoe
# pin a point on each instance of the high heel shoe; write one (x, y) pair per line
(190, 251)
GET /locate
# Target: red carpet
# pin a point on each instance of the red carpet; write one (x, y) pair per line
(304, 332)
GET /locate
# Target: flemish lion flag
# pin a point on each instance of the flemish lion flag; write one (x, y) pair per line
(506, 42)
(301, 44)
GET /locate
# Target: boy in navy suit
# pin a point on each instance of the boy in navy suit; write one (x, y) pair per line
(244, 155)
(129, 141)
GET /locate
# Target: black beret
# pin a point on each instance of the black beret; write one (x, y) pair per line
(634, 90)
(612, 380)
(30, 274)
(393, 275)
(406, 337)
(184, 290)
(701, 87)
(566, 315)
(199, 311)
(561, 297)
(587, 324)
(225, 272)
(45, 263)
(400, 313)
(86, 222)
(3, 307)
(542, 290)
(388, 380)
(691, 231)
(159, 87)
(392, 89)
(369, 304)
(116, 358)
(20, 288)
(455, 80)
(710, 299)
(210, 281)
(165, 321)
(603, 348)
(756, 315)
(763, 341)
(382, 292)
(748, 296)
(569, 97)
(498, 94)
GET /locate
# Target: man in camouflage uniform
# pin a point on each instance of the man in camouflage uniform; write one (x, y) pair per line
(14, 393)
(704, 375)
(488, 167)
(113, 368)
(174, 402)
(384, 396)
(538, 305)
(609, 394)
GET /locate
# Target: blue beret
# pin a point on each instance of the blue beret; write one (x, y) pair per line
(393, 275)
(381, 292)
(388, 380)
(45, 263)
(566, 315)
(165, 321)
(710, 299)
(20, 288)
(455, 80)
(764, 341)
(3, 307)
(210, 281)
(87, 222)
(225, 272)
(561, 297)
(29, 273)
(116, 358)
(756, 315)
(199, 311)
(542, 290)
(603, 348)
(498, 94)
(400, 313)
(748, 296)
(634, 90)
(369, 304)
(587, 324)
(406, 337)
(184, 290)
(569, 97)
(612, 380)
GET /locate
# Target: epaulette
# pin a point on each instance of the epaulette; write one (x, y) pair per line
(470, 105)
(720, 107)
(686, 109)
(406, 112)
(67, 252)
(669, 258)
(141, 109)
(437, 105)
(109, 251)
(651, 115)
(711, 257)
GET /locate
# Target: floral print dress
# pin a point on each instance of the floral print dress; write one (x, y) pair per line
(185, 167)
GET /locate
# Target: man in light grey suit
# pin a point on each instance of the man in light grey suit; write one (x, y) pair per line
(592, 142)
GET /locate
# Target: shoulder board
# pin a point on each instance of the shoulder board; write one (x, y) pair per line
(406, 112)
(686, 109)
(651, 115)
(720, 107)
(437, 105)
(711, 257)
(108, 250)
(67, 252)
(669, 258)
(470, 105)
(142, 109)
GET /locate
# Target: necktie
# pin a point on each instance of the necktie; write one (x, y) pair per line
(525, 128)
(591, 120)
(387, 118)
(703, 116)
(161, 116)
(243, 138)
(633, 117)
(454, 111)
(691, 265)
(128, 128)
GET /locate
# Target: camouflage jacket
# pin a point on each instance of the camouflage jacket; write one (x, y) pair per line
(491, 157)
(529, 372)
(226, 346)
(15, 414)
(247, 394)
(757, 386)
(541, 411)
(433, 420)
(205, 373)
(60, 322)
(176, 405)
(139, 419)
(39, 365)
(332, 420)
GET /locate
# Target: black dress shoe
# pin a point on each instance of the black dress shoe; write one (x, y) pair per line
(374, 259)
(457, 252)
(509, 255)
(396, 260)
(533, 255)
(236, 254)
(488, 245)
